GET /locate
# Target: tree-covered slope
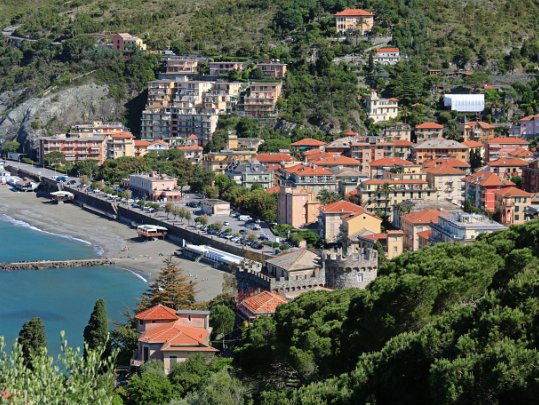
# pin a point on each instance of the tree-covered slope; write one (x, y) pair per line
(447, 324)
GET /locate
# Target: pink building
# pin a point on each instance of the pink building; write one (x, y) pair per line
(503, 146)
(272, 70)
(366, 152)
(74, 149)
(480, 188)
(512, 203)
(508, 167)
(154, 186)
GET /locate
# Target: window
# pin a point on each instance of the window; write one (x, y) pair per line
(145, 353)
(517, 217)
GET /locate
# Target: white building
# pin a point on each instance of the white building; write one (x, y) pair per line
(387, 56)
(382, 109)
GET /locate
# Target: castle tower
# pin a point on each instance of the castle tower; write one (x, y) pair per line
(350, 269)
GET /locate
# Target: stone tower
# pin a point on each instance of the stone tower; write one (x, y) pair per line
(350, 266)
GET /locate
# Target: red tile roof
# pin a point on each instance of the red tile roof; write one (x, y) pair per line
(387, 50)
(192, 137)
(402, 143)
(429, 125)
(508, 162)
(306, 170)
(441, 170)
(273, 157)
(263, 303)
(141, 144)
(308, 142)
(473, 144)
(508, 140)
(157, 313)
(512, 192)
(482, 124)
(354, 12)
(425, 234)
(390, 162)
(487, 179)
(272, 190)
(121, 135)
(375, 236)
(529, 117)
(350, 133)
(392, 181)
(342, 207)
(315, 154)
(175, 336)
(190, 147)
(520, 152)
(335, 160)
(422, 217)
(453, 162)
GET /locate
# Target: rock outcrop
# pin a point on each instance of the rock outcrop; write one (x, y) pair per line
(56, 112)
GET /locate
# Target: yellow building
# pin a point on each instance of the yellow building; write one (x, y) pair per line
(354, 20)
(343, 218)
(261, 100)
(448, 183)
(511, 203)
(297, 207)
(120, 145)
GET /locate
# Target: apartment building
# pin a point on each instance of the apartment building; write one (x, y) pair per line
(383, 195)
(74, 149)
(334, 221)
(154, 186)
(461, 227)
(96, 128)
(388, 164)
(529, 126)
(403, 149)
(448, 183)
(397, 132)
(387, 56)
(329, 161)
(480, 188)
(261, 99)
(366, 152)
(428, 130)
(223, 68)
(440, 148)
(297, 207)
(530, 177)
(512, 203)
(272, 70)
(177, 66)
(381, 109)
(307, 144)
(354, 20)
(248, 174)
(507, 167)
(309, 177)
(478, 131)
(500, 147)
(121, 144)
(414, 223)
(451, 162)
(218, 162)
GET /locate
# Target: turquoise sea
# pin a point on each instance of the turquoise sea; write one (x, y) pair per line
(63, 298)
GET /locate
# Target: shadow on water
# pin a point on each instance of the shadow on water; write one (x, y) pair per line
(29, 314)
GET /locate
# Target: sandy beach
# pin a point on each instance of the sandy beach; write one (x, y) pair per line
(110, 238)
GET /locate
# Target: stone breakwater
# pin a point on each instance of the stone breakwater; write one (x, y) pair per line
(55, 264)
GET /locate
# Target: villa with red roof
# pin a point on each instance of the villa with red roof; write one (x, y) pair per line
(503, 146)
(387, 56)
(508, 167)
(381, 109)
(354, 20)
(480, 188)
(478, 131)
(511, 203)
(307, 143)
(335, 220)
(259, 305)
(171, 336)
(428, 130)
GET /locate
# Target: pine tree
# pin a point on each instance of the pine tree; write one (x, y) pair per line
(32, 339)
(171, 288)
(96, 333)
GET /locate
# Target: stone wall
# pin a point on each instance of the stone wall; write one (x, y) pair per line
(355, 270)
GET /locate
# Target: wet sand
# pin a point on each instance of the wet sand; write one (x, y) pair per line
(111, 238)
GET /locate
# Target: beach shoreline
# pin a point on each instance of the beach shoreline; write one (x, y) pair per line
(110, 239)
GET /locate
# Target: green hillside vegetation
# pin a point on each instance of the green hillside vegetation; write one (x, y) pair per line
(447, 324)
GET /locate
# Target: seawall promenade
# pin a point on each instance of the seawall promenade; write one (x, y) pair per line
(55, 264)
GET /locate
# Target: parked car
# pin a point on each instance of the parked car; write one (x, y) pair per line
(226, 223)
(236, 239)
(244, 231)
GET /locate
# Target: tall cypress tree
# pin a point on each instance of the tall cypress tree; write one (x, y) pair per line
(32, 339)
(96, 333)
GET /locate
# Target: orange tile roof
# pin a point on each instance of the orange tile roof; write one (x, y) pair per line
(393, 99)
(425, 234)
(375, 236)
(273, 157)
(264, 302)
(175, 336)
(354, 12)
(453, 162)
(482, 124)
(529, 117)
(335, 160)
(487, 179)
(399, 142)
(380, 50)
(308, 142)
(272, 190)
(508, 162)
(141, 144)
(520, 152)
(157, 313)
(158, 141)
(429, 125)
(342, 207)
(350, 133)
(508, 140)
(512, 192)
(305, 170)
(192, 137)
(473, 144)
(189, 147)
(390, 162)
(422, 217)
(315, 154)
(441, 170)
(121, 135)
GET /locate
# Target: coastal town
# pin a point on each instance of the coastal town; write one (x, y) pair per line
(280, 213)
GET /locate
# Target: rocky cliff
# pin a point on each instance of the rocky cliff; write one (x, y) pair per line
(55, 112)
